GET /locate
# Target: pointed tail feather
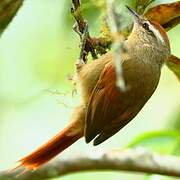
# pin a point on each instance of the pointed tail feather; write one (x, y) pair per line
(50, 149)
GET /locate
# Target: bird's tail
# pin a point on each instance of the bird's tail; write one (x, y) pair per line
(52, 148)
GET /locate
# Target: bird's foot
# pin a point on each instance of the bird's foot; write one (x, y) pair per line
(79, 64)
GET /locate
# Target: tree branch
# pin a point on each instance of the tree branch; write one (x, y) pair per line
(93, 45)
(80, 26)
(137, 160)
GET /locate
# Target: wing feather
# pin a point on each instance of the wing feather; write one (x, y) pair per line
(109, 109)
(100, 108)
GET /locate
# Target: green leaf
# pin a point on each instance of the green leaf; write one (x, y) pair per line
(164, 142)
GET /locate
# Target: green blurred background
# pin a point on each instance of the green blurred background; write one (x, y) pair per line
(37, 54)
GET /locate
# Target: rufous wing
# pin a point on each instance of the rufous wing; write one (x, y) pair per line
(103, 108)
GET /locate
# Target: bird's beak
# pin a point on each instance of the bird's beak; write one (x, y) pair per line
(133, 13)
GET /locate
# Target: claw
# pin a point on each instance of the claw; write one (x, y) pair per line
(79, 64)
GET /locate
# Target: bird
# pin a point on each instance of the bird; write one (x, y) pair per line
(105, 108)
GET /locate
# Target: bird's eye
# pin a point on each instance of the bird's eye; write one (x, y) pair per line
(145, 26)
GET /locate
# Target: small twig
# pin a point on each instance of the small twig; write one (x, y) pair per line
(118, 45)
(174, 64)
(150, 2)
(101, 44)
(142, 5)
(83, 40)
(75, 10)
(93, 45)
(83, 53)
(81, 25)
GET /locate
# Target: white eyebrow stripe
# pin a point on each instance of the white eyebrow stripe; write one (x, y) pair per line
(156, 33)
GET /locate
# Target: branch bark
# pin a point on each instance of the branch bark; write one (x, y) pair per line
(137, 160)
(93, 45)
